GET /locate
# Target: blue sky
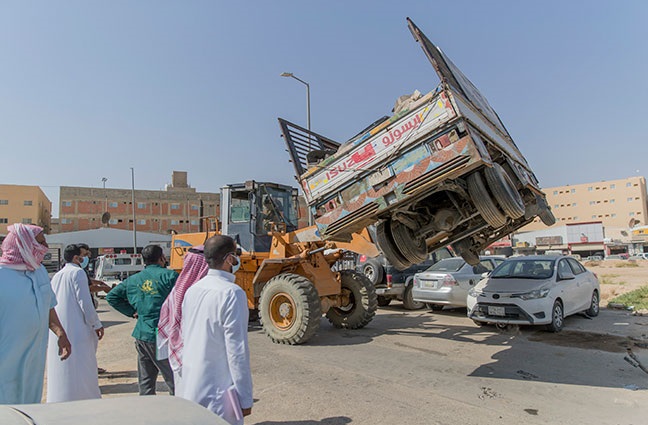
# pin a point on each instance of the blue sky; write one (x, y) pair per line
(89, 89)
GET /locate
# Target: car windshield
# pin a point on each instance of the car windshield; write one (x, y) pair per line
(447, 265)
(524, 269)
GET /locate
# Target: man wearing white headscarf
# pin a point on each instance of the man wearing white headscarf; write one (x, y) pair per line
(26, 312)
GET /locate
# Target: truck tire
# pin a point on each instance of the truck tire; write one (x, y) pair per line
(547, 217)
(504, 191)
(389, 249)
(289, 309)
(408, 301)
(362, 306)
(374, 271)
(483, 201)
(413, 249)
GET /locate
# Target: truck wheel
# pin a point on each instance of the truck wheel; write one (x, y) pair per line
(483, 201)
(383, 301)
(465, 249)
(504, 191)
(408, 301)
(374, 271)
(289, 309)
(413, 249)
(362, 304)
(547, 217)
(386, 244)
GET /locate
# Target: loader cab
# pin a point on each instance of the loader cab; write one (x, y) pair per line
(251, 210)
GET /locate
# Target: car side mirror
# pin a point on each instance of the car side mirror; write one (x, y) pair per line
(565, 275)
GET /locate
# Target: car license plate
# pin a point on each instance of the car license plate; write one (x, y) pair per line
(430, 284)
(496, 311)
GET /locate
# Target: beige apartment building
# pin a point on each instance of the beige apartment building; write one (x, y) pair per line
(24, 204)
(618, 204)
(177, 208)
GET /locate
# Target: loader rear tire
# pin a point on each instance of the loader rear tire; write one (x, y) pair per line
(386, 243)
(504, 191)
(289, 309)
(483, 201)
(362, 305)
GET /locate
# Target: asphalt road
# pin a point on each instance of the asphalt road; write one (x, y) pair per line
(432, 368)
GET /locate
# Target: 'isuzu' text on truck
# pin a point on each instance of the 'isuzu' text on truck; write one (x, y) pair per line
(442, 170)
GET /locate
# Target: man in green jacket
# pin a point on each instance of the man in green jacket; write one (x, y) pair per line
(141, 296)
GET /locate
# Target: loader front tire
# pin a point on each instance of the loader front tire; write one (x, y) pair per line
(362, 302)
(289, 309)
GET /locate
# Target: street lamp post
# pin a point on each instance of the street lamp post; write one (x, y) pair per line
(133, 204)
(308, 121)
(104, 180)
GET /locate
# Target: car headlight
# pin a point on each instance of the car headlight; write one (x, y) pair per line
(533, 295)
(474, 292)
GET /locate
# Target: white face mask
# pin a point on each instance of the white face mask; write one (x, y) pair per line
(236, 266)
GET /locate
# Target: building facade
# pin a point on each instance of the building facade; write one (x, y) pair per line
(24, 204)
(177, 208)
(618, 204)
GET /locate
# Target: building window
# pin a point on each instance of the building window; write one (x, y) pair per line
(175, 206)
(573, 191)
(629, 199)
(4, 202)
(141, 205)
(141, 221)
(195, 207)
(612, 186)
(628, 184)
(574, 204)
(575, 217)
(113, 205)
(613, 215)
(66, 221)
(67, 203)
(27, 221)
(194, 222)
(555, 192)
(611, 201)
(27, 203)
(631, 214)
(589, 189)
(592, 202)
(174, 222)
(4, 220)
(556, 206)
(594, 216)
(113, 221)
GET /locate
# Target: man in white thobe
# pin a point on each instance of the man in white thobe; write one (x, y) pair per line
(215, 360)
(75, 378)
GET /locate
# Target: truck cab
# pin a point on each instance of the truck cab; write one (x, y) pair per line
(114, 268)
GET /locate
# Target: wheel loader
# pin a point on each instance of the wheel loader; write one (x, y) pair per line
(286, 273)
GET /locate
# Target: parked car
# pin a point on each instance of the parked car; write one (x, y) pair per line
(640, 256)
(393, 284)
(448, 281)
(536, 290)
(617, 257)
(594, 258)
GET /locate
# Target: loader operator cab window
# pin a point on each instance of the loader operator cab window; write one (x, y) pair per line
(276, 207)
(240, 208)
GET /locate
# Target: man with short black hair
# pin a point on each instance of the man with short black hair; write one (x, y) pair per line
(215, 369)
(141, 296)
(75, 378)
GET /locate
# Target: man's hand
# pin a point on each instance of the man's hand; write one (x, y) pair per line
(64, 346)
(97, 286)
(247, 412)
(100, 333)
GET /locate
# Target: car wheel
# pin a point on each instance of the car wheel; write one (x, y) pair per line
(504, 191)
(435, 307)
(478, 323)
(374, 271)
(593, 309)
(408, 301)
(383, 301)
(557, 317)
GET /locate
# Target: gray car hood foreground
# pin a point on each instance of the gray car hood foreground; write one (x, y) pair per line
(512, 286)
(158, 410)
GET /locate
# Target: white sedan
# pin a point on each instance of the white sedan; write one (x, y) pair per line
(535, 290)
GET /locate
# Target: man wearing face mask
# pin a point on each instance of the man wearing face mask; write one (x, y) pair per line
(75, 378)
(141, 296)
(215, 359)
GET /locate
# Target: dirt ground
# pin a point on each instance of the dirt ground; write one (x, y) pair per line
(618, 276)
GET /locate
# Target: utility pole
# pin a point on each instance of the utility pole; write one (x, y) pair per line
(133, 204)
